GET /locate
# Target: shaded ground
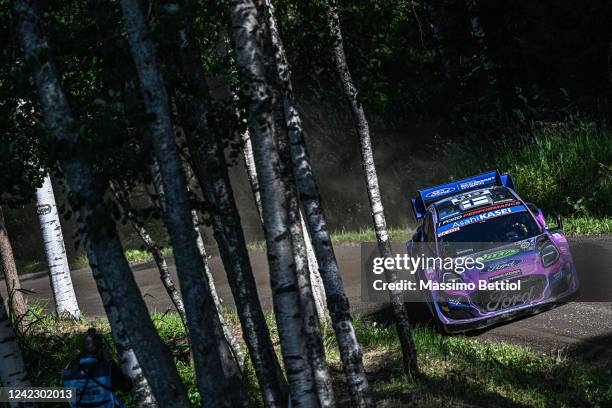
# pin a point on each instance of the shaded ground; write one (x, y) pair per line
(579, 328)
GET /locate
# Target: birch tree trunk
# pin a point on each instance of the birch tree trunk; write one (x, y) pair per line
(316, 282)
(141, 390)
(367, 159)
(55, 252)
(229, 336)
(12, 369)
(255, 72)
(16, 301)
(232, 341)
(316, 353)
(96, 226)
(217, 373)
(211, 172)
(329, 272)
(154, 250)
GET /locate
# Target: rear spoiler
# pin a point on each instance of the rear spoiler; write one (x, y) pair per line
(432, 194)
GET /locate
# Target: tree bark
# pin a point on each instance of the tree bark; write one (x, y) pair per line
(154, 250)
(337, 300)
(256, 71)
(229, 336)
(312, 328)
(141, 390)
(55, 251)
(96, 226)
(217, 373)
(211, 172)
(232, 341)
(367, 159)
(16, 301)
(210, 169)
(12, 368)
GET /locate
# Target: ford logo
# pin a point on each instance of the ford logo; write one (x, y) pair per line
(440, 192)
(501, 265)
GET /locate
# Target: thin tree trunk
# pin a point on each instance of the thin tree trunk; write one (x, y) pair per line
(312, 328)
(367, 158)
(276, 197)
(218, 375)
(229, 336)
(232, 341)
(318, 290)
(96, 226)
(12, 369)
(154, 250)
(249, 164)
(141, 390)
(328, 266)
(55, 251)
(15, 300)
(211, 172)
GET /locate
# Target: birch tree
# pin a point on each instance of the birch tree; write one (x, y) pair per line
(141, 390)
(164, 272)
(217, 373)
(337, 300)
(59, 271)
(16, 301)
(312, 329)
(229, 336)
(12, 368)
(96, 225)
(316, 282)
(255, 72)
(369, 168)
(210, 169)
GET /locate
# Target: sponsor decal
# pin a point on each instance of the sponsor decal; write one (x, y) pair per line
(482, 216)
(448, 231)
(440, 192)
(494, 256)
(501, 265)
(506, 275)
(476, 183)
(449, 220)
(480, 211)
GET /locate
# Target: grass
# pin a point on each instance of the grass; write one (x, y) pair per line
(134, 256)
(563, 168)
(455, 370)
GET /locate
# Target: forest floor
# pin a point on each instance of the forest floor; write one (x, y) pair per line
(454, 370)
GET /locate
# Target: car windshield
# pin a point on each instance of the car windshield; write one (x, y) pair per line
(508, 228)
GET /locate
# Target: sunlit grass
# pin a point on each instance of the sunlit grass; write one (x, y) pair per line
(454, 370)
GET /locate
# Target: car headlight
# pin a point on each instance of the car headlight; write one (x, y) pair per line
(549, 255)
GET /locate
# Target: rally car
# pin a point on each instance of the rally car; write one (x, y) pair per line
(508, 240)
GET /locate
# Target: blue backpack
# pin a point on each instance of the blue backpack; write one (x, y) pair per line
(92, 380)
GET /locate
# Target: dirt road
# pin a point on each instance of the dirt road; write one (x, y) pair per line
(577, 328)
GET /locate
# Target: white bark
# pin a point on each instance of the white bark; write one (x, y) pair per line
(316, 282)
(232, 341)
(12, 369)
(55, 252)
(141, 390)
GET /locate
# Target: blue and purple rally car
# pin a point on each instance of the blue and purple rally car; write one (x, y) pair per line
(482, 217)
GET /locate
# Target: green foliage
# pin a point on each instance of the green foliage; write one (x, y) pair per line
(454, 369)
(565, 168)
